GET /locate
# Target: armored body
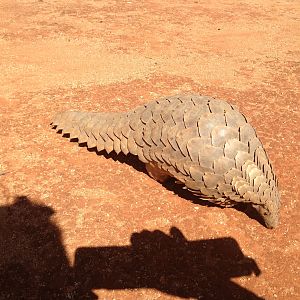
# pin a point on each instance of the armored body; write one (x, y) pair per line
(205, 143)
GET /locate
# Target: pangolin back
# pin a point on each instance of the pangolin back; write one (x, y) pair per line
(205, 143)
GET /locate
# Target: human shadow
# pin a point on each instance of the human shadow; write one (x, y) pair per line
(33, 261)
(34, 264)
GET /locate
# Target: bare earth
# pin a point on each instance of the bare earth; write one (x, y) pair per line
(77, 225)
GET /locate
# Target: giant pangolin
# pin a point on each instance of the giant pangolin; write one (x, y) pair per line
(205, 143)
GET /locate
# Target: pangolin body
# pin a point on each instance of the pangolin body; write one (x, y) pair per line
(205, 143)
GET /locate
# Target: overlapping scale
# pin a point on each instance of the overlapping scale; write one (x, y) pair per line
(205, 143)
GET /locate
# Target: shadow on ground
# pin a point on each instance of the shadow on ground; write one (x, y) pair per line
(176, 188)
(170, 184)
(34, 265)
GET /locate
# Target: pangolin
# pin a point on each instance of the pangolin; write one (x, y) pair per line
(205, 143)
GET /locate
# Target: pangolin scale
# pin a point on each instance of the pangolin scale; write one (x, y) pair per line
(205, 143)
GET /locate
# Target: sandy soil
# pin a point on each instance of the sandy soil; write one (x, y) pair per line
(76, 225)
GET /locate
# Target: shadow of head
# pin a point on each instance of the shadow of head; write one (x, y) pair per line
(33, 262)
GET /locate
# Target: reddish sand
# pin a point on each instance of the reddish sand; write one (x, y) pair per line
(76, 225)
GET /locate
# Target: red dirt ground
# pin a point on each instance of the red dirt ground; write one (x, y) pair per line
(74, 224)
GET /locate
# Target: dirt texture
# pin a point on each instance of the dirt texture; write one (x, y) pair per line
(76, 224)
